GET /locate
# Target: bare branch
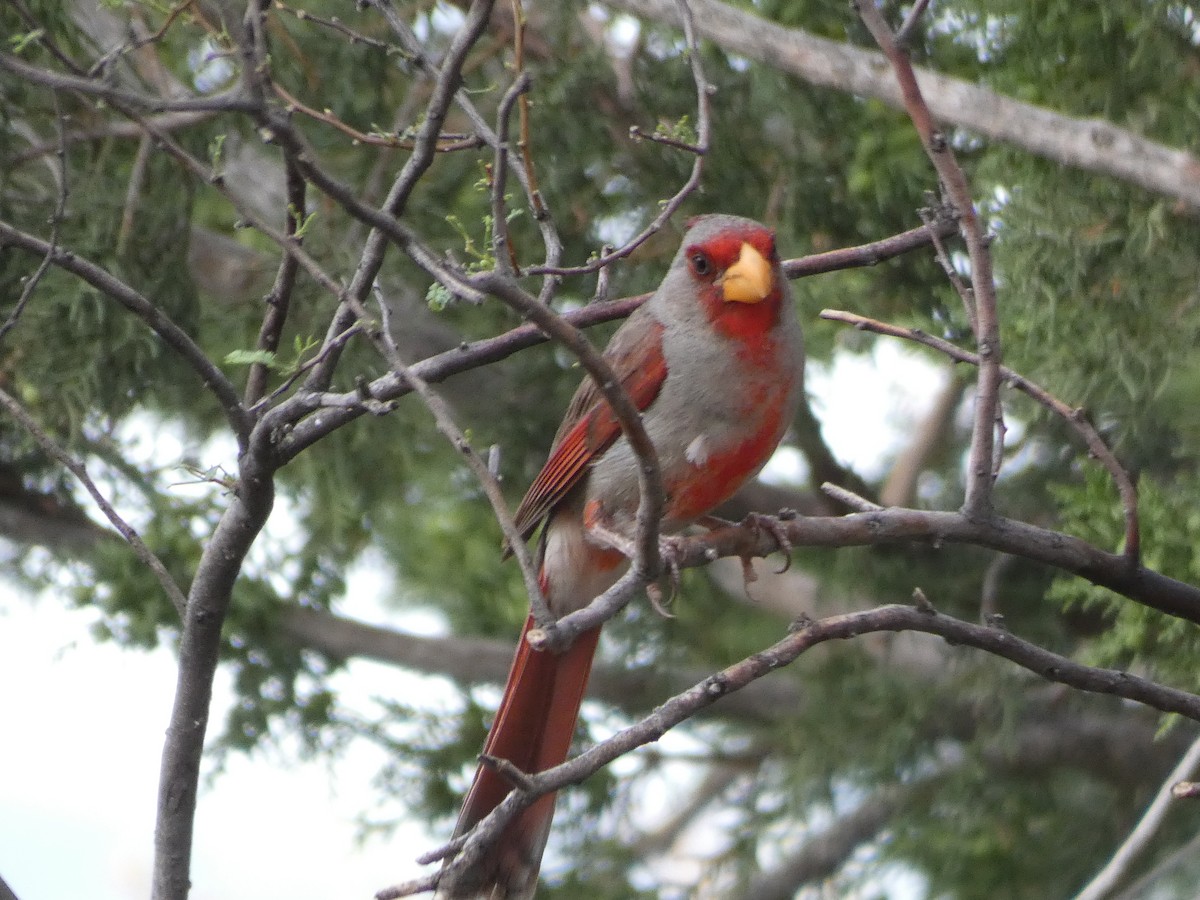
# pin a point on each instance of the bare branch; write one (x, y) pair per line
(1093, 145)
(280, 297)
(523, 144)
(144, 554)
(447, 143)
(1074, 416)
(1117, 868)
(97, 87)
(502, 250)
(172, 335)
(981, 468)
(885, 526)
(199, 649)
(6, 893)
(941, 226)
(911, 21)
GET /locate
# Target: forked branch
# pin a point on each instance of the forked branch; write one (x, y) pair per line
(1073, 416)
(982, 466)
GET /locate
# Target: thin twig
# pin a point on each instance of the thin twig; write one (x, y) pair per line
(144, 554)
(1136, 843)
(636, 133)
(964, 291)
(56, 218)
(229, 101)
(699, 150)
(279, 299)
(1074, 416)
(337, 25)
(383, 338)
(422, 885)
(502, 251)
(336, 343)
(523, 145)
(447, 143)
(981, 465)
(172, 335)
(906, 31)
(1181, 856)
(849, 498)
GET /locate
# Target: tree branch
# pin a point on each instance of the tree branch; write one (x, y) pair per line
(172, 335)
(805, 636)
(983, 465)
(1117, 868)
(144, 554)
(280, 297)
(1074, 417)
(1093, 145)
(885, 526)
(199, 647)
(98, 87)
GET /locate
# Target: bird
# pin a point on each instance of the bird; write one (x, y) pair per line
(714, 361)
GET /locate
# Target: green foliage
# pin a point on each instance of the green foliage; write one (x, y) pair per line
(976, 825)
(1098, 302)
(1137, 636)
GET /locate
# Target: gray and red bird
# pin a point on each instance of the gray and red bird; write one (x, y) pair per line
(714, 360)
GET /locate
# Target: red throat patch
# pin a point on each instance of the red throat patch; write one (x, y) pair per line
(747, 323)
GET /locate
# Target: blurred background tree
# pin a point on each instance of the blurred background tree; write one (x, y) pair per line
(881, 760)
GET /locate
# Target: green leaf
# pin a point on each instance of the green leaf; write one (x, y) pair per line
(250, 358)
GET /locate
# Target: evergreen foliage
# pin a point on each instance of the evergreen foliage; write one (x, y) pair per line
(1099, 299)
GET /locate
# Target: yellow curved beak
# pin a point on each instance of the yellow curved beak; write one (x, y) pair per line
(750, 279)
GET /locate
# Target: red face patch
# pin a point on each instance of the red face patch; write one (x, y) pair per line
(708, 260)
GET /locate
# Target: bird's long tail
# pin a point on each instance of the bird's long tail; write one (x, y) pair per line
(533, 731)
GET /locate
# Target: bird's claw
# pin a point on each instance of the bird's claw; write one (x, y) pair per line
(670, 551)
(773, 526)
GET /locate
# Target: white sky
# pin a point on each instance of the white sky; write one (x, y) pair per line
(81, 730)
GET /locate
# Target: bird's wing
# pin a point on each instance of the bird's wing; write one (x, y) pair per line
(590, 427)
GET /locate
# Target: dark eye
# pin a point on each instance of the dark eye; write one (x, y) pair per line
(701, 264)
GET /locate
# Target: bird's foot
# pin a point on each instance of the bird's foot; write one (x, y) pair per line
(772, 525)
(670, 551)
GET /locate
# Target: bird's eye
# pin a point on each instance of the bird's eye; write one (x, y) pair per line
(701, 264)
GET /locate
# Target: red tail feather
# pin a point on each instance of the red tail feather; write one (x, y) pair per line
(533, 731)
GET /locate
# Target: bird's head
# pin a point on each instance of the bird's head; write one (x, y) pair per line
(732, 268)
